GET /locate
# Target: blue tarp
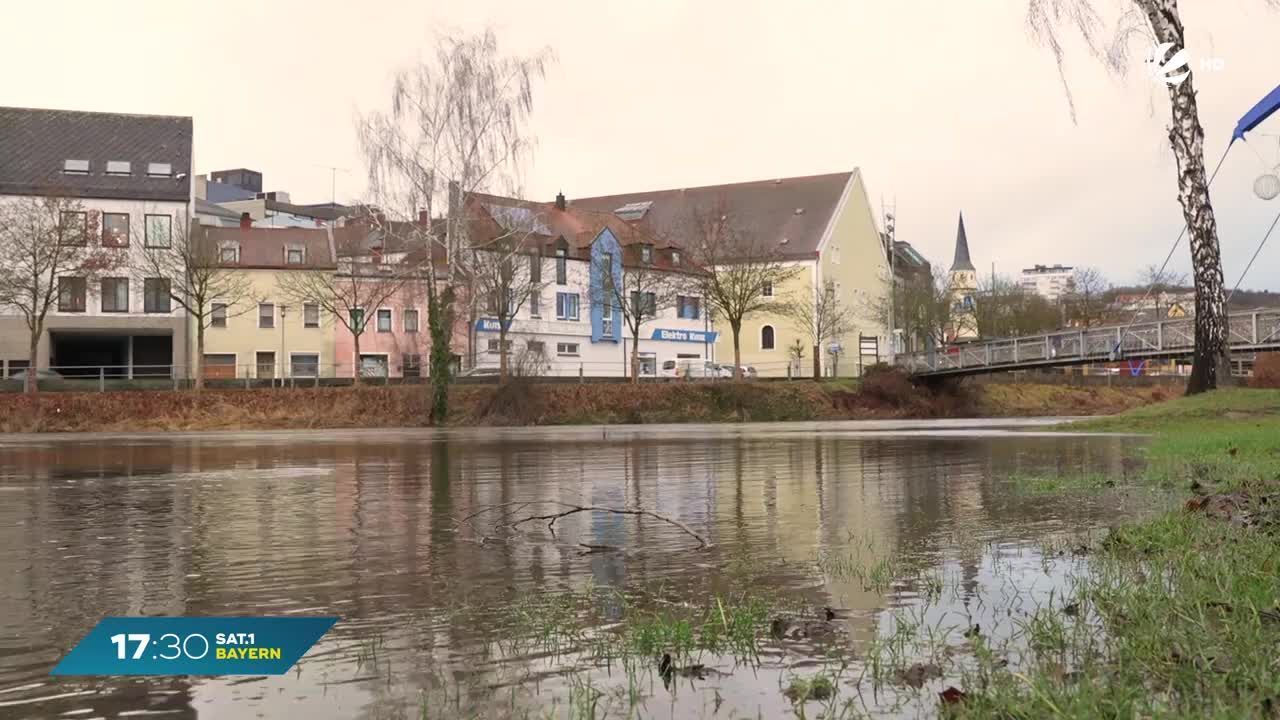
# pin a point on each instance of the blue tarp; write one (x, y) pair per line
(1257, 114)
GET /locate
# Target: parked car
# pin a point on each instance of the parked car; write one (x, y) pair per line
(21, 375)
(690, 368)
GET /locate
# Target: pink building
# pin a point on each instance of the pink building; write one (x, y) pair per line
(395, 342)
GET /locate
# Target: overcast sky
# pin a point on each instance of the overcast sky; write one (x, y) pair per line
(945, 106)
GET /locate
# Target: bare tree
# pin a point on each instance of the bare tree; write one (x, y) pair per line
(49, 256)
(457, 125)
(822, 317)
(198, 282)
(921, 306)
(1159, 22)
(636, 294)
(1161, 282)
(506, 275)
(1085, 301)
(742, 269)
(364, 281)
(1003, 308)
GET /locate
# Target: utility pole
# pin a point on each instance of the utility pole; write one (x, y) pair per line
(283, 323)
(890, 231)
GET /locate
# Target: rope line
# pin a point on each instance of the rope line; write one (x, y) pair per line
(1255, 257)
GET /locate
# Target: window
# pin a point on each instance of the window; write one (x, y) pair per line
(372, 365)
(767, 289)
(218, 316)
(567, 349)
(115, 294)
(159, 228)
(535, 303)
(384, 320)
(17, 366)
(562, 266)
(115, 230)
(74, 228)
(644, 304)
(75, 167)
(295, 255)
(535, 268)
(155, 295)
(492, 345)
(229, 254)
(689, 308)
(536, 347)
(304, 365)
(310, 315)
(71, 294)
(566, 306)
(646, 254)
(266, 364)
(606, 319)
(266, 315)
(159, 169)
(357, 320)
(675, 257)
(412, 365)
(766, 337)
(411, 320)
(118, 167)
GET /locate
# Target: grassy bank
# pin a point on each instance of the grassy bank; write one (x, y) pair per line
(887, 396)
(1179, 616)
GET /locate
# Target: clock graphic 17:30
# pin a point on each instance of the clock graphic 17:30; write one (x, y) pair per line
(169, 646)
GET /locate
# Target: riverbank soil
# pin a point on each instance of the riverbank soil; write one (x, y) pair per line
(1179, 615)
(887, 395)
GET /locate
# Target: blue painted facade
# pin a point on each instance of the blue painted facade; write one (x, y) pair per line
(604, 244)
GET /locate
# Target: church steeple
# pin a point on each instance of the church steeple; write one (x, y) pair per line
(962, 261)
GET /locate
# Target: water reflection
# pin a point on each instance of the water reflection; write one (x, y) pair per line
(364, 526)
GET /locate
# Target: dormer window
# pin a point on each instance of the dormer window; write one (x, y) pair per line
(229, 253)
(118, 167)
(295, 255)
(157, 169)
(75, 167)
(646, 254)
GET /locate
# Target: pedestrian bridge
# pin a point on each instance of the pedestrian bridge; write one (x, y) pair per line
(1253, 331)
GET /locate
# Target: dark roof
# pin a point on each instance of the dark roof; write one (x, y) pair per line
(908, 255)
(204, 207)
(264, 248)
(962, 261)
(797, 209)
(320, 211)
(34, 144)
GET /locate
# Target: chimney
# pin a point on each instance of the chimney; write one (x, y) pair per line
(560, 203)
(246, 222)
(424, 218)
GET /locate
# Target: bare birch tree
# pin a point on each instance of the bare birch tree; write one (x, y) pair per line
(50, 256)
(1158, 22)
(742, 269)
(637, 294)
(822, 317)
(457, 125)
(183, 253)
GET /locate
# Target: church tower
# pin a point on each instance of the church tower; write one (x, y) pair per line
(964, 286)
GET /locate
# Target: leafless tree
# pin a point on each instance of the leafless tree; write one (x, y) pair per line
(742, 269)
(921, 306)
(1085, 300)
(1003, 308)
(49, 256)
(1158, 22)
(822, 317)
(183, 253)
(507, 275)
(363, 281)
(1161, 282)
(457, 125)
(638, 293)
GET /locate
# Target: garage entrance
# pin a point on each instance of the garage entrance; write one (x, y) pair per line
(85, 354)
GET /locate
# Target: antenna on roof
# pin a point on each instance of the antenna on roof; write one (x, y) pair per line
(333, 181)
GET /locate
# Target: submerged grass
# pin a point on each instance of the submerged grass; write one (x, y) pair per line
(1178, 616)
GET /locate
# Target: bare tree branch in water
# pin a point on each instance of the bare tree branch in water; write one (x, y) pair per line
(511, 518)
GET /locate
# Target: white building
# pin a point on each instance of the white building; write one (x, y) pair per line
(1049, 281)
(127, 180)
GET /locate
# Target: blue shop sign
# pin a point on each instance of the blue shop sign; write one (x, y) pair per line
(490, 325)
(693, 336)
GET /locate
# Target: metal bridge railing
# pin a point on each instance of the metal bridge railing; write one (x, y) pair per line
(1248, 331)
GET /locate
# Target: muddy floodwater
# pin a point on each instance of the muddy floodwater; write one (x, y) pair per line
(446, 613)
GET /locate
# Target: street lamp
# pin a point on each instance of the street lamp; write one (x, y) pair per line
(283, 308)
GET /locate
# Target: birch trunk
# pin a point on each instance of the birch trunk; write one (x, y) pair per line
(1211, 365)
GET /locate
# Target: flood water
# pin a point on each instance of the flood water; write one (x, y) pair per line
(366, 526)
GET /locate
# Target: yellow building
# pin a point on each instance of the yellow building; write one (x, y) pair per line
(824, 227)
(262, 334)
